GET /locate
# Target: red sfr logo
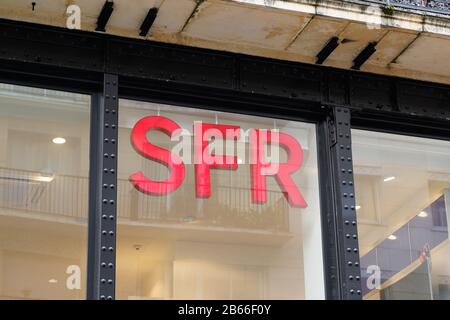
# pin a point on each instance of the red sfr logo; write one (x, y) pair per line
(204, 160)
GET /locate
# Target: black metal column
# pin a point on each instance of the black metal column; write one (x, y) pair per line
(103, 193)
(344, 209)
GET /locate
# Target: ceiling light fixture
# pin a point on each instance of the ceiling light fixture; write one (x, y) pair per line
(52, 281)
(188, 219)
(423, 214)
(392, 237)
(387, 179)
(43, 178)
(59, 140)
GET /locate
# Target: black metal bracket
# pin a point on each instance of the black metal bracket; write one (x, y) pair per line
(328, 49)
(104, 16)
(148, 21)
(103, 193)
(364, 55)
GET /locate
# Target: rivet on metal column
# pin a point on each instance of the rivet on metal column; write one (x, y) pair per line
(347, 235)
(103, 193)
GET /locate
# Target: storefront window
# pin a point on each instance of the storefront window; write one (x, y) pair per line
(403, 206)
(211, 208)
(44, 157)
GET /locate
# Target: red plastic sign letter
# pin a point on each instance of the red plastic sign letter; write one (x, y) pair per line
(146, 149)
(204, 160)
(260, 169)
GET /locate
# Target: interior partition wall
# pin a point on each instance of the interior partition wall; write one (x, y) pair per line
(378, 135)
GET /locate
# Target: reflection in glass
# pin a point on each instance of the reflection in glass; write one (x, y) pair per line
(44, 145)
(178, 246)
(403, 190)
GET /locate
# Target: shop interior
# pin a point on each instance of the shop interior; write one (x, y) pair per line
(403, 200)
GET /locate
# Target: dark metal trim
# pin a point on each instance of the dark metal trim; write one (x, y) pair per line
(328, 216)
(94, 181)
(103, 193)
(419, 127)
(226, 101)
(64, 79)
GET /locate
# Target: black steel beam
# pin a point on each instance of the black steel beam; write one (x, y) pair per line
(337, 197)
(50, 77)
(364, 55)
(103, 193)
(410, 125)
(104, 16)
(328, 49)
(213, 73)
(148, 21)
(343, 208)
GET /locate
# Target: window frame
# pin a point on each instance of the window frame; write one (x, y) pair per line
(244, 109)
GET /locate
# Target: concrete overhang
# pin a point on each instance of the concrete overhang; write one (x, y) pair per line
(408, 42)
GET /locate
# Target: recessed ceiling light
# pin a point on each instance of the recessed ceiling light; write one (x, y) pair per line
(357, 207)
(423, 214)
(44, 178)
(387, 179)
(392, 237)
(188, 219)
(52, 281)
(59, 140)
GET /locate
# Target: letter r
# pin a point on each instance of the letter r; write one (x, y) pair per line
(259, 169)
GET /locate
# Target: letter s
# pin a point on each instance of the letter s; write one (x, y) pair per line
(146, 149)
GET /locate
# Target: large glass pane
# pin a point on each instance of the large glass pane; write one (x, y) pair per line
(225, 231)
(44, 152)
(403, 205)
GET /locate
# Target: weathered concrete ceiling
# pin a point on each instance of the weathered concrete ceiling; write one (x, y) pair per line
(409, 43)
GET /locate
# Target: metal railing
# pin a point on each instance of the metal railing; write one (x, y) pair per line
(38, 192)
(436, 6)
(67, 196)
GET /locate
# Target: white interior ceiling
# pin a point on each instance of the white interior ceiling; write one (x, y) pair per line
(409, 43)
